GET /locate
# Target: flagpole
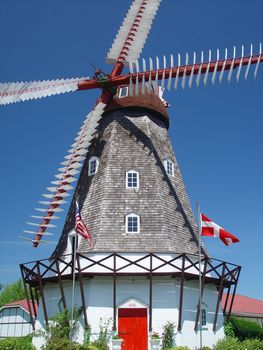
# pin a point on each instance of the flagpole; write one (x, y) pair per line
(73, 292)
(200, 277)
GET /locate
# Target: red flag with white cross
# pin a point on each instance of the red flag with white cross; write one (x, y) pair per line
(210, 228)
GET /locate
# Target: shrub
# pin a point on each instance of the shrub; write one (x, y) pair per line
(244, 329)
(180, 348)
(206, 348)
(252, 344)
(229, 329)
(228, 343)
(58, 344)
(100, 345)
(63, 343)
(87, 347)
(23, 343)
(168, 336)
(104, 334)
(12, 292)
(57, 334)
(87, 334)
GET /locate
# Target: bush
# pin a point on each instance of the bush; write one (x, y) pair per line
(180, 348)
(252, 344)
(229, 329)
(87, 334)
(206, 348)
(168, 336)
(244, 329)
(57, 334)
(228, 343)
(87, 347)
(12, 292)
(63, 343)
(58, 344)
(23, 343)
(104, 333)
(100, 345)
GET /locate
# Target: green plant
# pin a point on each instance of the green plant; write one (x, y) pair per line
(206, 348)
(228, 343)
(87, 334)
(229, 329)
(116, 336)
(104, 334)
(59, 330)
(12, 292)
(23, 343)
(180, 348)
(155, 335)
(87, 347)
(168, 336)
(100, 346)
(252, 344)
(244, 329)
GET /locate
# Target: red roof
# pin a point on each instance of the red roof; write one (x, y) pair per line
(244, 305)
(23, 304)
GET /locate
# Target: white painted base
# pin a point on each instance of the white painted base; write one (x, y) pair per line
(166, 290)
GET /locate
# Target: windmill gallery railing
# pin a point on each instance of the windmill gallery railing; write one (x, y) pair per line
(184, 267)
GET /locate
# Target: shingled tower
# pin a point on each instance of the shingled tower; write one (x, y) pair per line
(136, 178)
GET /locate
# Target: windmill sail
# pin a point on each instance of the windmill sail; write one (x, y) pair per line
(72, 166)
(24, 91)
(196, 69)
(133, 32)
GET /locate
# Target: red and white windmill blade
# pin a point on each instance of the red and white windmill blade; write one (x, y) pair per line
(125, 51)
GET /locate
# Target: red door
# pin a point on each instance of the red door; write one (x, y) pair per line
(132, 328)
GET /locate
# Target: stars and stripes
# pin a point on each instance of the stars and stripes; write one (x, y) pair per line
(210, 228)
(80, 227)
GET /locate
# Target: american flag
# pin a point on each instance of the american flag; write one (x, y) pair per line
(80, 227)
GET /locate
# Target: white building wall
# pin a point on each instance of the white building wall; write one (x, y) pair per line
(166, 291)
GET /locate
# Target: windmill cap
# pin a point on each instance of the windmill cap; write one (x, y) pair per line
(150, 100)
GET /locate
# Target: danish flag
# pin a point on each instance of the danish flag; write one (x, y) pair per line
(210, 228)
(80, 227)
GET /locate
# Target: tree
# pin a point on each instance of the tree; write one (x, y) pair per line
(12, 292)
(168, 336)
(58, 333)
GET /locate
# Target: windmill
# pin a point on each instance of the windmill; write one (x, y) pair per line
(124, 52)
(172, 72)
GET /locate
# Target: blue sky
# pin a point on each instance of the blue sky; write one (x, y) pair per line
(216, 131)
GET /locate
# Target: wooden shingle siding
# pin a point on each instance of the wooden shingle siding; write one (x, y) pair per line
(138, 140)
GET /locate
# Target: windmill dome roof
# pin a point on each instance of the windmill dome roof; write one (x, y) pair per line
(149, 100)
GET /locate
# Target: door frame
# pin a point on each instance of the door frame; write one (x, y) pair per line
(133, 303)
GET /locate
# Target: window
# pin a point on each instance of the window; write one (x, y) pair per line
(132, 223)
(203, 315)
(132, 179)
(93, 165)
(169, 167)
(123, 92)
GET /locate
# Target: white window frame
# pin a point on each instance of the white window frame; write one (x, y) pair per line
(167, 163)
(92, 160)
(132, 215)
(132, 172)
(123, 88)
